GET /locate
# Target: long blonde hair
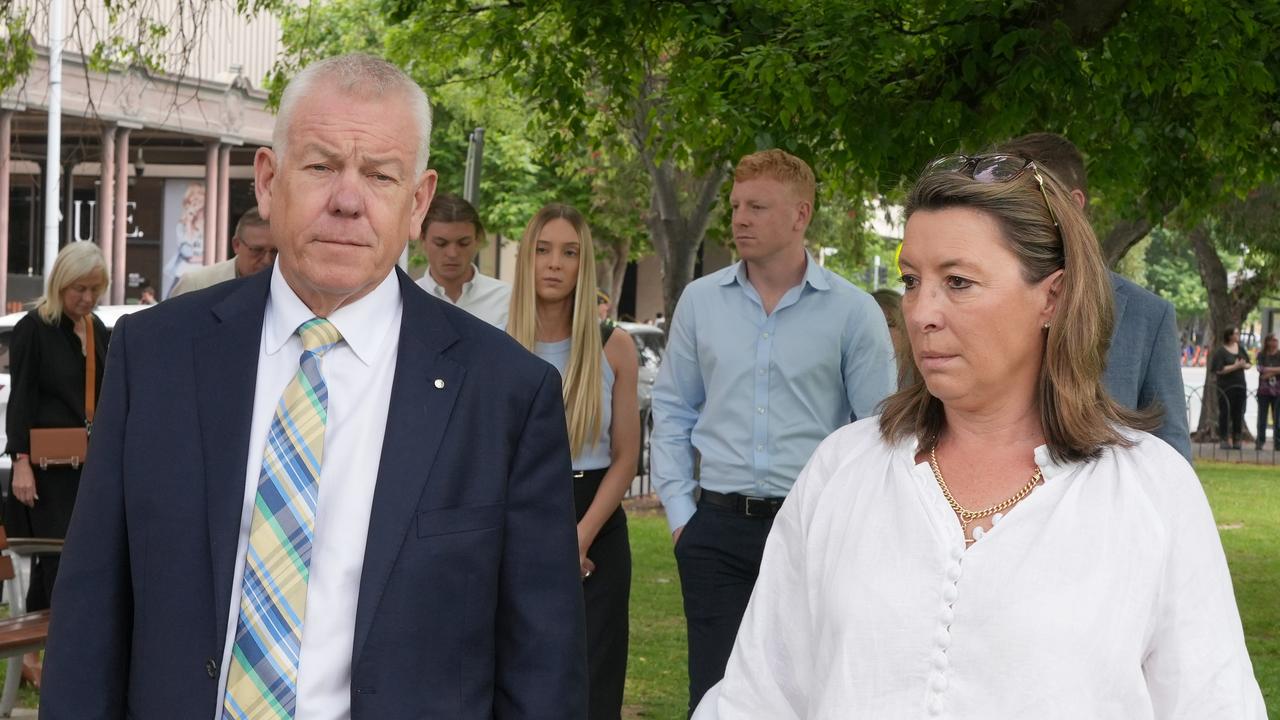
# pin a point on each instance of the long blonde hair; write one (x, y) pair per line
(1078, 417)
(584, 376)
(74, 261)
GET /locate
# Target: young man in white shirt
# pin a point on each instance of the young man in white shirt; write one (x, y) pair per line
(451, 236)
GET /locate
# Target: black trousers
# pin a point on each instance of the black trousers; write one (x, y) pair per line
(1269, 405)
(719, 557)
(1231, 408)
(56, 488)
(607, 596)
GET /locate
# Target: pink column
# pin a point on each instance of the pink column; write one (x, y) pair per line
(224, 200)
(121, 215)
(6, 127)
(106, 194)
(210, 202)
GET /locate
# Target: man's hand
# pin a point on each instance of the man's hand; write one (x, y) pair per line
(675, 535)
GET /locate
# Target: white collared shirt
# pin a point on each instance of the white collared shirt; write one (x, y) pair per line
(487, 298)
(1104, 594)
(358, 374)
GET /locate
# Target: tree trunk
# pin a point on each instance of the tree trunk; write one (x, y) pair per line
(1214, 276)
(677, 235)
(612, 255)
(1123, 236)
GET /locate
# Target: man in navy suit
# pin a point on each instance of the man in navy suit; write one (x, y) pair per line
(435, 534)
(1144, 362)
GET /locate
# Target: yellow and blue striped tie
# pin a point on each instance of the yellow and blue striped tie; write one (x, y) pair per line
(262, 681)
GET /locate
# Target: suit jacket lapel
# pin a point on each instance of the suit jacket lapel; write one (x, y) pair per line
(422, 396)
(226, 362)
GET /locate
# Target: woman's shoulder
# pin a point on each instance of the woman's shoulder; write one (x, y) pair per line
(1152, 467)
(858, 441)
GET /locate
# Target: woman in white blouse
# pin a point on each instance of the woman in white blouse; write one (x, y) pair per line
(1003, 541)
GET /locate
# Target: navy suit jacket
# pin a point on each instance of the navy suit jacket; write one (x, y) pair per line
(1144, 364)
(470, 602)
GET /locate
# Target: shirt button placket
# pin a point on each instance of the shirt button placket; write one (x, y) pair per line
(760, 424)
(938, 680)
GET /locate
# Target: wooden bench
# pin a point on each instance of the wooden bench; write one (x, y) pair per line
(22, 632)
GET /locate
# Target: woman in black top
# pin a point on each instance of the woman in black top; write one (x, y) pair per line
(47, 364)
(1229, 363)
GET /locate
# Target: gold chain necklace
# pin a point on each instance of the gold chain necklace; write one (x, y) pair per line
(968, 516)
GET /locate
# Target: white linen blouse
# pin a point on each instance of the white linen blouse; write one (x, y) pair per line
(1104, 594)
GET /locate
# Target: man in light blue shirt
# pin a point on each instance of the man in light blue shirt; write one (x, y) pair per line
(765, 358)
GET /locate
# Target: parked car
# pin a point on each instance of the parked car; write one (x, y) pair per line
(109, 314)
(651, 343)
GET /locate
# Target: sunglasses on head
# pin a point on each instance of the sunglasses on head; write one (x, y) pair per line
(993, 169)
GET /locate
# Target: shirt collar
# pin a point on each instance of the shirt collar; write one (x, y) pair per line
(364, 324)
(438, 290)
(910, 446)
(814, 275)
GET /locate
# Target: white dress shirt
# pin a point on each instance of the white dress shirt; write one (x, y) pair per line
(1102, 595)
(487, 298)
(358, 374)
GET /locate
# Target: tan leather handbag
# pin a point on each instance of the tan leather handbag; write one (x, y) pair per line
(68, 447)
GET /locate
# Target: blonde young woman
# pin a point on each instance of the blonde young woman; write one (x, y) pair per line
(47, 365)
(553, 313)
(1004, 541)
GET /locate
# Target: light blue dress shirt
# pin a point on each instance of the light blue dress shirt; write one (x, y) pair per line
(754, 394)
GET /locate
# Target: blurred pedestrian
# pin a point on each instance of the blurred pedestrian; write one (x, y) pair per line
(765, 358)
(552, 315)
(1229, 362)
(254, 252)
(57, 356)
(1269, 390)
(451, 236)
(148, 296)
(890, 302)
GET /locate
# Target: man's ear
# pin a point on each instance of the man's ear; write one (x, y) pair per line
(264, 173)
(804, 215)
(422, 195)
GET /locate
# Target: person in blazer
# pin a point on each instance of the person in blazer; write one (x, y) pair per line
(438, 555)
(1144, 367)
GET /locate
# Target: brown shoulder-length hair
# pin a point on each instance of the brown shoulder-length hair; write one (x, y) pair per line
(1077, 415)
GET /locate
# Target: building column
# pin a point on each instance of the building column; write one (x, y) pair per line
(210, 203)
(6, 129)
(224, 201)
(121, 216)
(106, 194)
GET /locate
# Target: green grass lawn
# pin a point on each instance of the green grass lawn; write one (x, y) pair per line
(1245, 500)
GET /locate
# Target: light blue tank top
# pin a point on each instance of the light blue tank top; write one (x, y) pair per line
(593, 456)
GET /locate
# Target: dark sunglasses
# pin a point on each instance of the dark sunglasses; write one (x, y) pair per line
(993, 169)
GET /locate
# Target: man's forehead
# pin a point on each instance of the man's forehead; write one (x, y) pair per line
(761, 185)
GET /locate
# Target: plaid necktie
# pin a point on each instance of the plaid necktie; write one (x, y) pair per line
(262, 681)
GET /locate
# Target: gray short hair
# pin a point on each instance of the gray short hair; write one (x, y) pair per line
(362, 75)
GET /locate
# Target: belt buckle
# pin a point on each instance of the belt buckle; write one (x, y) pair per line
(763, 503)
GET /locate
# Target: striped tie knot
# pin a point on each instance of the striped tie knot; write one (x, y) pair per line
(318, 336)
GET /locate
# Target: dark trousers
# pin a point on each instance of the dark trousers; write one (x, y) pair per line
(607, 596)
(56, 488)
(1231, 408)
(719, 557)
(1269, 405)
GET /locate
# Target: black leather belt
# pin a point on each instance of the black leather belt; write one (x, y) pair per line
(745, 505)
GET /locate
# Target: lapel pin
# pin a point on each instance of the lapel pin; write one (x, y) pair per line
(439, 384)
